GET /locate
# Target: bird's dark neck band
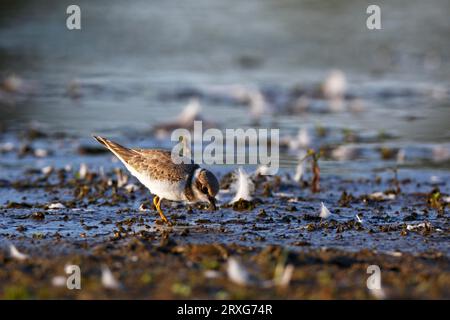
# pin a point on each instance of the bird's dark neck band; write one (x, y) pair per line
(188, 192)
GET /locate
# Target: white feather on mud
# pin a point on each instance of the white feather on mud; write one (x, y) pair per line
(143, 208)
(258, 104)
(16, 254)
(243, 186)
(394, 253)
(335, 85)
(47, 170)
(300, 169)
(108, 280)
(288, 195)
(302, 140)
(40, 153)
(401, 156)
(359, 219)
(283, 273)
(423, 225)
(253, 97)
(237, 273)
(190, 112)
(55, 206)
(381, 196)
(131, 187)
(285, 279)
(435, 179)
(324, 212)
(344, 153)
(265, 170)
(82, 173)
(59, 281)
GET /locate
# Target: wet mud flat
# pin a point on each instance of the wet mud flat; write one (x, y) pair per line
(72, 205)
(172, 269)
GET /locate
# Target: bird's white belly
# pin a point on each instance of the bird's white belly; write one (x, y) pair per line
(164, 189)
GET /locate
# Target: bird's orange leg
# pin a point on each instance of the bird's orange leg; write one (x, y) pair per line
(157, 202)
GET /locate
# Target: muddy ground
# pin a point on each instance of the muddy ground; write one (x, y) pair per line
(164, 267)
(74, 205)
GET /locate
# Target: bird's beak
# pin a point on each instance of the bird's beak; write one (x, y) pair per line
(212, 203)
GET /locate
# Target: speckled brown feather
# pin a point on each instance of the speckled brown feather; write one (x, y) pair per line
(155, 163)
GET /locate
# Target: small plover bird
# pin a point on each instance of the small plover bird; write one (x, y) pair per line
(155, 169)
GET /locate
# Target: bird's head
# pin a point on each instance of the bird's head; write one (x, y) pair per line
(205, 187)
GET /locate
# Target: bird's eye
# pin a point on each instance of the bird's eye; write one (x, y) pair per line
(205, 190)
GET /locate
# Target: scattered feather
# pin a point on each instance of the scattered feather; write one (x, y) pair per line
(412, 227)
(56, 206)
(108, 280)
(394, 253)
(243, 186)
(283, 273)
(258, 104)
(82, 173)
(335, 85)
(59, 281)
(264, 170)
(131, 187)
(286, 276)
(41, 153)
(299, 170)
(382, 196)
(236, 273)
(190, 112)
(359, 219)
(302, 140)
(16, 254)
(143, 207)
(401, 156)
(435, 179)
(47, 170)
(283, 195)
(324, 212)
(344, 153)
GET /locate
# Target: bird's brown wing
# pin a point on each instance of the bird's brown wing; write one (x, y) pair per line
(158, 164)
(123, 153)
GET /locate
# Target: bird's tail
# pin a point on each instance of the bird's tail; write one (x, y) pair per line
(123, 153)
